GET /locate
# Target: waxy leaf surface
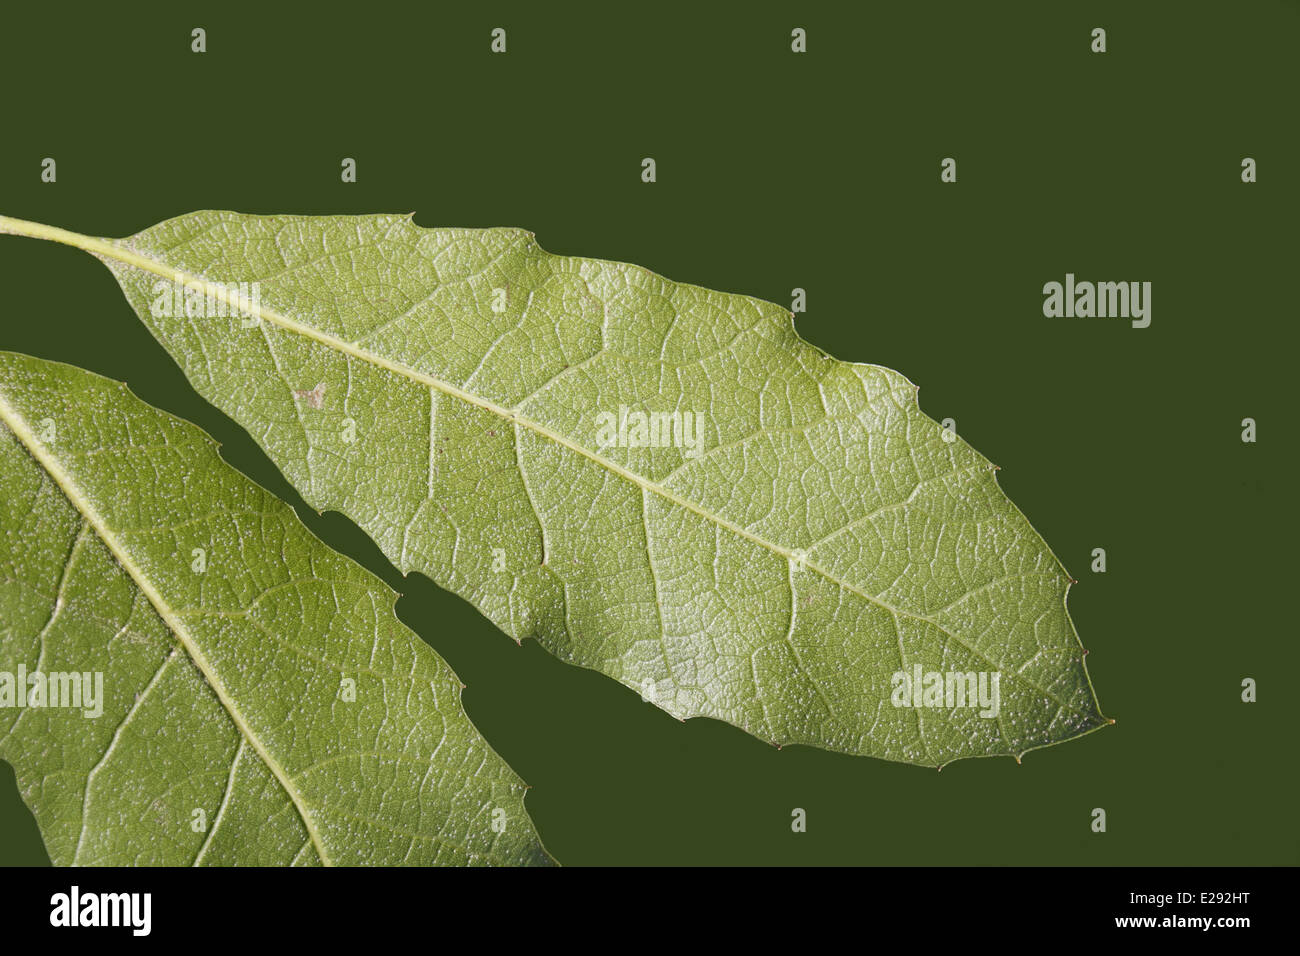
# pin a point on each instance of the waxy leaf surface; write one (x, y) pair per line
(261, 702)
(450, 390)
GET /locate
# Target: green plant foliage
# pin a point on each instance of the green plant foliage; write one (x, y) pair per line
(243, 694)
(658, 481)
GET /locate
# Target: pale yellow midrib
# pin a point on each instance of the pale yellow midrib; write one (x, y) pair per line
(72, 491)
(110, 249)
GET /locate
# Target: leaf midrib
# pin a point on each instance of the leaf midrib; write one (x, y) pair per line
(112, 250)
(73, 492)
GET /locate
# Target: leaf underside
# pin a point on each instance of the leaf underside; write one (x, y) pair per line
(821, 539)
(225, 735)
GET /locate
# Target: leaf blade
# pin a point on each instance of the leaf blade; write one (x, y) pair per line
(228, 681)
(821, 481)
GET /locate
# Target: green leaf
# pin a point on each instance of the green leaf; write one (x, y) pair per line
(445, 388)
(260, 702)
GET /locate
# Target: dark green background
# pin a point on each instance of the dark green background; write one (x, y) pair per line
(776, 171)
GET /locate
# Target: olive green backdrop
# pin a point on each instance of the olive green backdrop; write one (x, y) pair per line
(778, 170)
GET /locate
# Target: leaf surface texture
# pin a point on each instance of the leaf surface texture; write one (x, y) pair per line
(824, 537)
(226, 736)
